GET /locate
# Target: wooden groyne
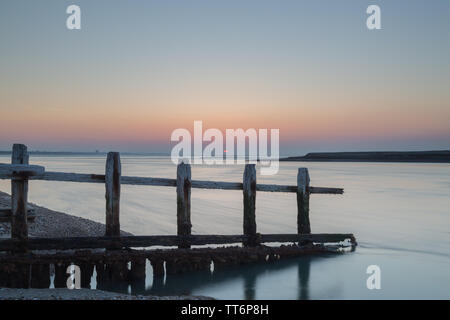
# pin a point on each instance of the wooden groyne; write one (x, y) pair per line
(22, 254)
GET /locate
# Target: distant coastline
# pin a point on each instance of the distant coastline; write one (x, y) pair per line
(376, 156)
(438, 156)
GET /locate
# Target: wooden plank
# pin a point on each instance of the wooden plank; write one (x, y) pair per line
(249, 191)
(20, 170)
(199, 184)
(31, 218)
(303, 224)
(180, 260)
(147, 181)
(184, 183)
(6, 214)
(70, 177)
(6, 211)
(165, 240)
(166, 182)
(112, 185)
(325, 190)
(316, 238)
(19, 195)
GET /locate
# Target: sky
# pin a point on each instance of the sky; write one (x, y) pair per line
(137, 70)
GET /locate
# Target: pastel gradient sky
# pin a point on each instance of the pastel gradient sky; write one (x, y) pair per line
(137, 70)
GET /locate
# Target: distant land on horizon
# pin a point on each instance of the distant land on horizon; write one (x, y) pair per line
(442, 156)
(437, 156)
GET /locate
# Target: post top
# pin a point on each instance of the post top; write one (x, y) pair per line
(303, 180)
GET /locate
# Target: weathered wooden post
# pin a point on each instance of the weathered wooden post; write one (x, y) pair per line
(86, 269)
(303, 226)
(60, 280)
(184, 225)
(116, 270)
(112, 183)
(40, 276)
(249, 188)
(137, 275)
(158, 268)
(19, 195)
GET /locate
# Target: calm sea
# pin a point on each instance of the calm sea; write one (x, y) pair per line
(399, 213)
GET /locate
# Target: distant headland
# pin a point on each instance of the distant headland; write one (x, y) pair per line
(376, 156)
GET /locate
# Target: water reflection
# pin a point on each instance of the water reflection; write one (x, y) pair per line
(249, 276)
(250, 287)
(304, 266)
(128, 278)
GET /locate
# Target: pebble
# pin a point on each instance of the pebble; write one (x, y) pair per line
(54, 224)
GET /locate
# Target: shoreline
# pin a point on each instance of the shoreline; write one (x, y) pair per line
(48, 224)
(82, 294)
(54, 224)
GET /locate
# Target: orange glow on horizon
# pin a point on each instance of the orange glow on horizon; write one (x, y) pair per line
(314, 118)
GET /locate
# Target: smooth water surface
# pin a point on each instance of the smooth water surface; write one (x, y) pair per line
(399, 213)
